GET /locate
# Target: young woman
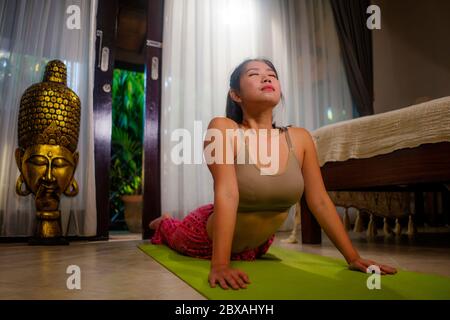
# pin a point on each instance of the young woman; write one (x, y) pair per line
(249, 206)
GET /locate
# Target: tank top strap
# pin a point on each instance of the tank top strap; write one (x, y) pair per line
(288, 138)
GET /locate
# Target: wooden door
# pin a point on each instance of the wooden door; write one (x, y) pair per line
(152, 148)
(104, 65)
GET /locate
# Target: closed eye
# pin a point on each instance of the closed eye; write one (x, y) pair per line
(257, 74)
(38, 160)
(60, 163)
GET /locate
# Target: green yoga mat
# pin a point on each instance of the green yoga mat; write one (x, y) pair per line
(284, 274)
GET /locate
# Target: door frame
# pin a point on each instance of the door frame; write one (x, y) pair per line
(152, 122)
(107, 23)
(107, 11)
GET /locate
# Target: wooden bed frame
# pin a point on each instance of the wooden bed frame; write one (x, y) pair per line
(424, 168)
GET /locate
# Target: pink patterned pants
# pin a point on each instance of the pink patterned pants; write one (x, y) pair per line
(190, 237)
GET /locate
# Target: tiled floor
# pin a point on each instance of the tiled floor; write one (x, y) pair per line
(117, 269)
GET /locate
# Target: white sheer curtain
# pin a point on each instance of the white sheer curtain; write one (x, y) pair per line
(32, 32)
(205, 40)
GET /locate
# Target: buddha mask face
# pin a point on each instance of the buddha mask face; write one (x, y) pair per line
(47, 171)
(48, 128)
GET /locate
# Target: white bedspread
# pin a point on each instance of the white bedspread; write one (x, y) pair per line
(368, 136)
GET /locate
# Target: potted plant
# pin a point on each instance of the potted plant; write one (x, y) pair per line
(126, 178)
(126, 154)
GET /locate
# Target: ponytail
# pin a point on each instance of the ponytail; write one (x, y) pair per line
(233, 110)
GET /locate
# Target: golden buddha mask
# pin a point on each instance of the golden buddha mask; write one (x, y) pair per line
(47, 171)
(49, 122)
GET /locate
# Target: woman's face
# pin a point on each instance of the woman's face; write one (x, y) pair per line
(258, 84)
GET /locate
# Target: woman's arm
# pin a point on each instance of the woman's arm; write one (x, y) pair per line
(226, 199)
(324, 210)
(223, 224)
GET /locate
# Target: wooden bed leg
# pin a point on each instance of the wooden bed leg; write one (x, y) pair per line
(311, 231)
(446, 203)
(419, 207)
(411, 227)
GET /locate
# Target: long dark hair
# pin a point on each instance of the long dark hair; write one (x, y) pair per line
(233, 109)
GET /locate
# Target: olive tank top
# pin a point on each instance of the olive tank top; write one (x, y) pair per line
(273, 193)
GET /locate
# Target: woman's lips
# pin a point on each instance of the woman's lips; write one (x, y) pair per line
(268, 88)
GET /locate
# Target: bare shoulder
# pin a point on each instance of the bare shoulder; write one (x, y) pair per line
(301, 138)
(219, 128)
(222, 123)
(300, 132)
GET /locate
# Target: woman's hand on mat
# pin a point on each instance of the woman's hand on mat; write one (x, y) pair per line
(228, 277)
(361, 264)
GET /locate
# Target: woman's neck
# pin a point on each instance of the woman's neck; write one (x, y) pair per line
(260, 121)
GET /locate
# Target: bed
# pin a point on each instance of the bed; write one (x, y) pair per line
(392, 154)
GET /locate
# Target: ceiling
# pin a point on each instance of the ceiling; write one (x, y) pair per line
(131, 32)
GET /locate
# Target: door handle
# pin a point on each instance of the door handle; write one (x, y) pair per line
(105, 59)
(103, 53)
(155, 68)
